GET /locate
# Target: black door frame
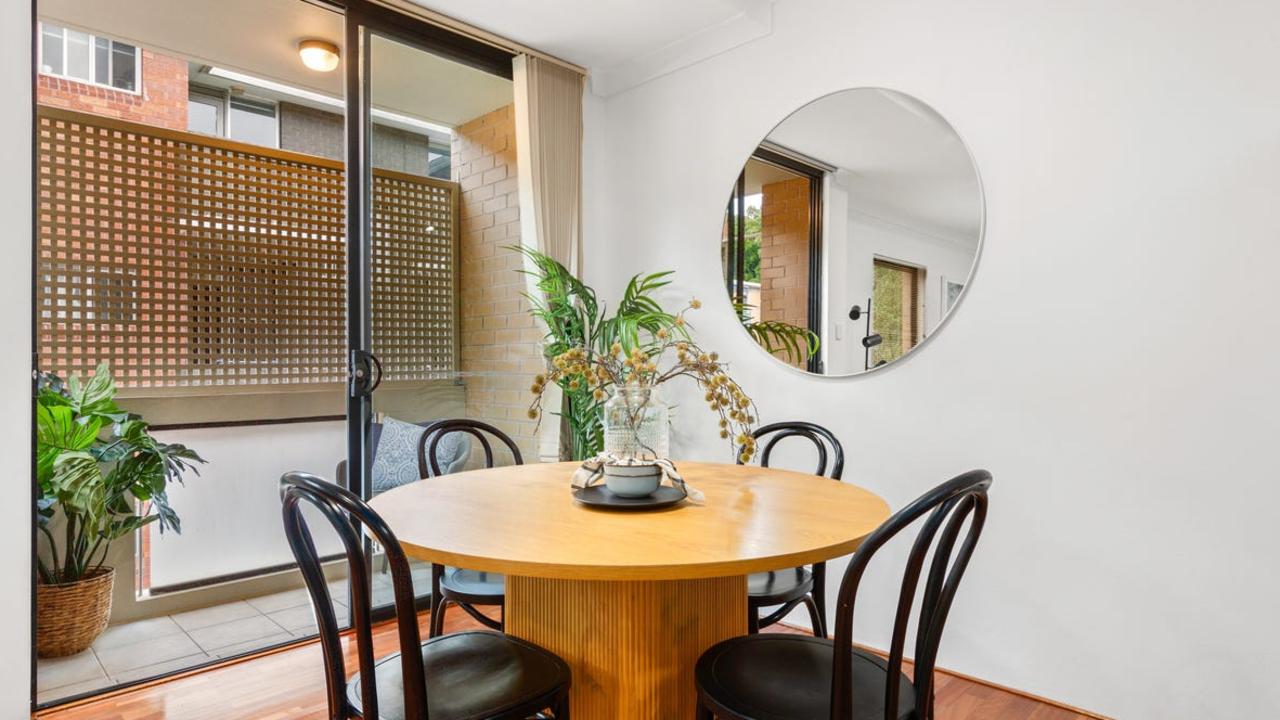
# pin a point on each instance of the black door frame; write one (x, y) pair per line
(362, 20)
(736, 256)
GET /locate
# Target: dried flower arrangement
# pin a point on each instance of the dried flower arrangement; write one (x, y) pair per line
(644, 365)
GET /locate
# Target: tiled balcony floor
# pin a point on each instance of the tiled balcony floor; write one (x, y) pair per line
(155, 646)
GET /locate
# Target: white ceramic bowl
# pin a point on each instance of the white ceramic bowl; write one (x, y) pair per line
(632, 481)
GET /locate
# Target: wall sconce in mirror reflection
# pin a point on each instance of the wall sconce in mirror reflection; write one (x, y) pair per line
(863, 193)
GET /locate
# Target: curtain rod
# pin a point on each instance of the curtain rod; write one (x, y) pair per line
(473, 32)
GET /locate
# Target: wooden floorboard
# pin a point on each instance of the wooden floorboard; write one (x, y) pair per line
(289, 685)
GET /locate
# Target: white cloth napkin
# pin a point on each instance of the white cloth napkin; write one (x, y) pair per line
(592, 471)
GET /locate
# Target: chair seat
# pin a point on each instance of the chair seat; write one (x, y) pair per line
(483, 588)
(779, 586)
(788, 677)
(470, 675)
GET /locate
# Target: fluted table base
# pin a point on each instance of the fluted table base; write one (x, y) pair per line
(631, 644)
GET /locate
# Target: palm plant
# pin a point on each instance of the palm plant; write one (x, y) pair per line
(796, 343)
(93, 461)
(575, 318)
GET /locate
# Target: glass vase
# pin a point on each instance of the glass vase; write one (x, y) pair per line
(635, 425)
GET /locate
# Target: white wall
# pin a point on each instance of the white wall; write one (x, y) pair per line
(1114, 362)
(15, 361)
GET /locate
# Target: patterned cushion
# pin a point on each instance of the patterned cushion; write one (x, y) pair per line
(395, 461)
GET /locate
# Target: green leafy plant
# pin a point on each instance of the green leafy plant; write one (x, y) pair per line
(794, 342)
(575, 318)
(93, 461)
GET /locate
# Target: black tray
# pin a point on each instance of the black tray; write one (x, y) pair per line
(600, 496)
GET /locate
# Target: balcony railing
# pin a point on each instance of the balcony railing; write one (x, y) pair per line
(191, 262)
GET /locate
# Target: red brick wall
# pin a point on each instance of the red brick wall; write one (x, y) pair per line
(162, 102)
(501, 345)
(784, 252)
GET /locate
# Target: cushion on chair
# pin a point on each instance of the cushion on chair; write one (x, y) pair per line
(395, 453)
(788, 677)
(470, 675)
(780, 585)
(474, 583)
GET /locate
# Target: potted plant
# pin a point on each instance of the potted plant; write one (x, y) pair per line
(575, 318)
(624, 377)
(94, 463)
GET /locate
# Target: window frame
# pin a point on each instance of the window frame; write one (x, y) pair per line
(93, 59)
(224, 98)
(209, 96)
(918, 275)
(249, 99)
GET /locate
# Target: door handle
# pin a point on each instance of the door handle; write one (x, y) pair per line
(365, 373)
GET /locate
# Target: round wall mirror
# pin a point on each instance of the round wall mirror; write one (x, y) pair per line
(852, 231)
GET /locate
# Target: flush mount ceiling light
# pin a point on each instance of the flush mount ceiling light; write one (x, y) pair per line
(319, 55)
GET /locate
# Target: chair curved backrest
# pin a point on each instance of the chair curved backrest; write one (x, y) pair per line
(347, 513)
(821, 438)
(474, 428)
(947, 506)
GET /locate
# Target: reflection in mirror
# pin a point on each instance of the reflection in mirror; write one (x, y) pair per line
(851, 231)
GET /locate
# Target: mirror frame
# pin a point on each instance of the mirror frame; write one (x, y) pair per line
(968, 278)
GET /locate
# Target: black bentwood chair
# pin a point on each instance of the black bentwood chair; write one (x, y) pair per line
(775, 676)
(463, 676)
(796, 586)
(466, 588)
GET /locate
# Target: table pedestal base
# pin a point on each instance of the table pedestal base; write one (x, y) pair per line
(632, 644)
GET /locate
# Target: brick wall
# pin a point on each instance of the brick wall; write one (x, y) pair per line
(784, 251)
(501, 345)
(162, 102)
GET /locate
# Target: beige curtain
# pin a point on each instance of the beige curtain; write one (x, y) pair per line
(549, 166)
(549, 158)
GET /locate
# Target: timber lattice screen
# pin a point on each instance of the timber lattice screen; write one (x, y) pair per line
(187, 261)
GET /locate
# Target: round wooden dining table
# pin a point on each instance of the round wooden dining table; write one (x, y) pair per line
(629, 599)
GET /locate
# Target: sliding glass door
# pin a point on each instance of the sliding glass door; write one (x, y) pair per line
(414, 92)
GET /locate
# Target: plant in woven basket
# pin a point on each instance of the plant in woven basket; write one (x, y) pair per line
(94, 464)
(638, 363)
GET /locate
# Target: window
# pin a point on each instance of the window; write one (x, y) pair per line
(205, 110)
(212, 111)
(895, 309)
(253, 121)
(87, 58)
(439, 164)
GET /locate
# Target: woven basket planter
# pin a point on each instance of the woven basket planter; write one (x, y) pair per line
(70, 616)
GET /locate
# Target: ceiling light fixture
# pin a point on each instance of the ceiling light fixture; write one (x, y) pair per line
(319, 55)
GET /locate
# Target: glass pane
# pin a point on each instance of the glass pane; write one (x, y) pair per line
(202, 115)
(253, 122)
(892, 308)
(124, 72)
(241, 356)
(51, 50)
(102, 61)
(78, 55)
(438, 163)
(419, 101)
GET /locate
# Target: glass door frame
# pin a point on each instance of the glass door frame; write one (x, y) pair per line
(363, 19)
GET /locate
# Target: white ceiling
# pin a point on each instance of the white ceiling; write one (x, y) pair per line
(904, 160)
(260, 38)
(621, 42)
